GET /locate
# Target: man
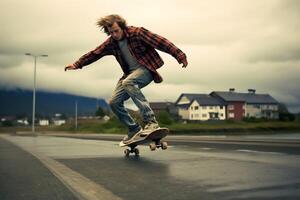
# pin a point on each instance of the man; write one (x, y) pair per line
(134, 49)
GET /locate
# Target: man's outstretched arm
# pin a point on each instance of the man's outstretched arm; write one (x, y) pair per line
(163, 44)
(92, 56)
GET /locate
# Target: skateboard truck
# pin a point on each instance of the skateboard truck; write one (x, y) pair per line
(132, 149)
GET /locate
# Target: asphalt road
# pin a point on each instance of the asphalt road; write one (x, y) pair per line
(94, 167)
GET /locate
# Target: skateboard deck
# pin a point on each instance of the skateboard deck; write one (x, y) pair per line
(154, 138)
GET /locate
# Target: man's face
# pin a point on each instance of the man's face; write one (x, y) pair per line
(115, 31)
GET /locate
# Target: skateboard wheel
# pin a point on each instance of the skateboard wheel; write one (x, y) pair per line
(152, 146)
(137, 152)
(164, 145)
(127, 152)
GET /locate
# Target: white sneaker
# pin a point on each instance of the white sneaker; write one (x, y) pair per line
(149, 128)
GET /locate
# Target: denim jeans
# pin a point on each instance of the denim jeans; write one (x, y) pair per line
(130, 87)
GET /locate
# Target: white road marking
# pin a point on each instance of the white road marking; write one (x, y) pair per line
(252, 151)
(206, 148)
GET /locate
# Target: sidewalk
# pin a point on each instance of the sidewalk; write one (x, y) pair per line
(23, 177)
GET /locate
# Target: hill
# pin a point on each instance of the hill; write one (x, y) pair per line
(19, 102)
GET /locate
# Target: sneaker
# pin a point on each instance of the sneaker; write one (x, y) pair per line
(128, 138)
(149, 128)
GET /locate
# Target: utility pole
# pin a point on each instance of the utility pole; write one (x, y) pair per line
(75, 116)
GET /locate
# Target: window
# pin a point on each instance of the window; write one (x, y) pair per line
(270, 107)
(196, 107)
(196, 115)
(221, 107)
(230, 107)
(210, 107)
(221, 114)
(257, 106)
(204, 115)
(191, 116)
(231, 115)
(204, 107)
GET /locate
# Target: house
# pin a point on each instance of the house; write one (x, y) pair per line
(44, 122)
(249, 104)
(164, 106)
(23, 122)
(183, 102)
(59, 122)
(57, 119)
(200, 107)
(235, 103)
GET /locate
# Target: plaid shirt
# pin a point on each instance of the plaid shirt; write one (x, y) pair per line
(142, 44)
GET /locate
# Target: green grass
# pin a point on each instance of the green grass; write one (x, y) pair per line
(234, 127)
(207, 128)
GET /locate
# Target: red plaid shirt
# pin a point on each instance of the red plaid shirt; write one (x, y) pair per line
(142, 44)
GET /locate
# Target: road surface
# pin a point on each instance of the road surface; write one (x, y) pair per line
(94, 167)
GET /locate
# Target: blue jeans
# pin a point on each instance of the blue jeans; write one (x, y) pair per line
(130, 87)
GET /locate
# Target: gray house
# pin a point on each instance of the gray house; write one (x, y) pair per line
(249, 104)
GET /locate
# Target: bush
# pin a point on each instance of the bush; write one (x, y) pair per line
(254, 119)
(7, 123)
(286, 117)
(164, 117)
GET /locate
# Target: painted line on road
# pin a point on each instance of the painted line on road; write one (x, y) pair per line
(82, 187)
(206, 148)
(263, 152)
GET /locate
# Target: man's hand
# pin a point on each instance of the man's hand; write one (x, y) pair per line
(185, 63)
(70, 67)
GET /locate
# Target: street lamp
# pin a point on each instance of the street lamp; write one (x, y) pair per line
(34, 86)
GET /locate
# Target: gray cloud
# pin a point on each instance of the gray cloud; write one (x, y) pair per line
(242, 44)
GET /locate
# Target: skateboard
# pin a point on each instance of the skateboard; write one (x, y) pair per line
(153, 138)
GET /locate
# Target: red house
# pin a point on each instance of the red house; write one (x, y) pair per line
(235, 104)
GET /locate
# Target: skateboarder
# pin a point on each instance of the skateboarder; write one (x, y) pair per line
(134, 49)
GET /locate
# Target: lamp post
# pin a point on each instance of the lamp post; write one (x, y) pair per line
(76, 115)
(34, 86)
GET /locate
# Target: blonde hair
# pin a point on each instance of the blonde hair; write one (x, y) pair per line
(109, 20)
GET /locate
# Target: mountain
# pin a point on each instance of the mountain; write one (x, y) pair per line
(19, 102)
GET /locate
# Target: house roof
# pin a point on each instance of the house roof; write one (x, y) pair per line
(189, 96)
(160, 105)
(204, 99)
(184, 106)
(250, 98)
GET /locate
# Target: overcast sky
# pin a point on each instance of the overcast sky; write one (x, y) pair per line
(237, 44)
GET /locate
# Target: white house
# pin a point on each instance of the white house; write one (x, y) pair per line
(23, 122)
(200, 107)
(44, 122)
(202, 110)
(59, 122)
(183, 102)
